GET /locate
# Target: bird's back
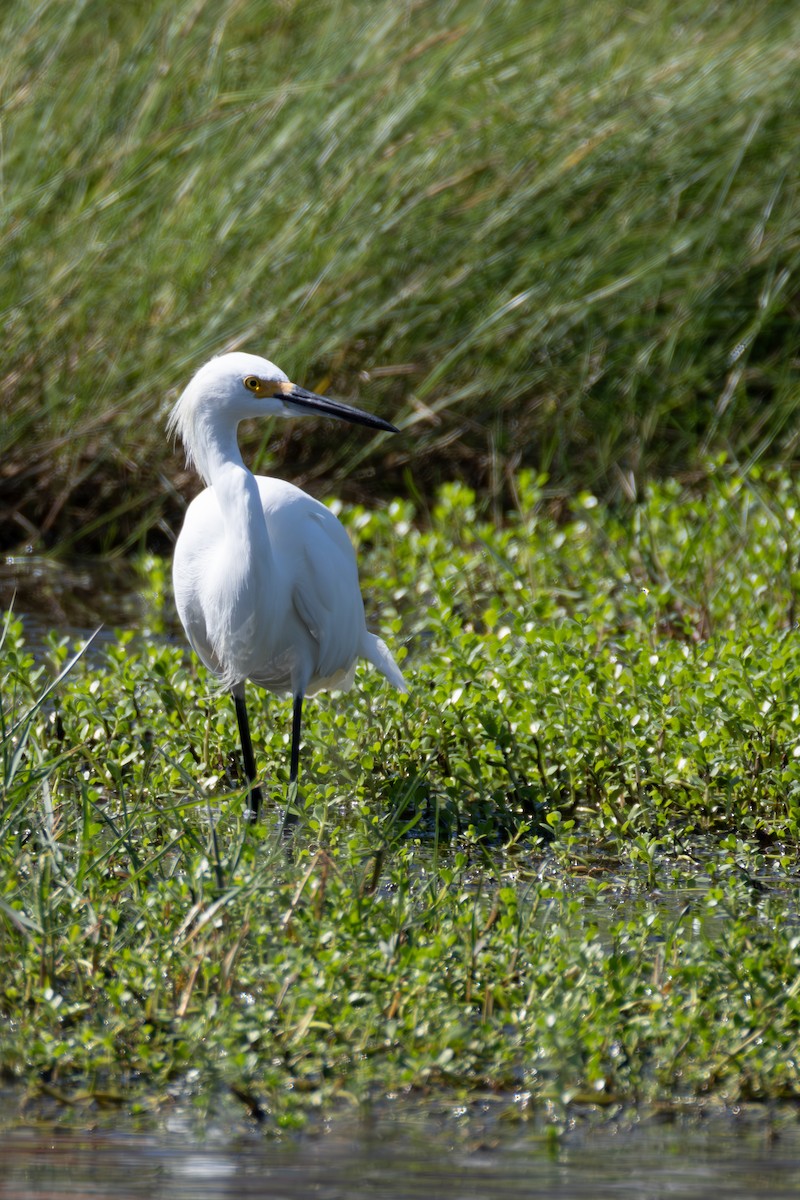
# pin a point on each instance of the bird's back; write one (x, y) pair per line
(314, 555)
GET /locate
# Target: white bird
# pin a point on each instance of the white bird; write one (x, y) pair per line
(265, 577)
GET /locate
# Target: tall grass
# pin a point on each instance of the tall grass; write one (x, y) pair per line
(553, 234)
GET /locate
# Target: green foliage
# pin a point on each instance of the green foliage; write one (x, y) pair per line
(562, 867)
(533, 233)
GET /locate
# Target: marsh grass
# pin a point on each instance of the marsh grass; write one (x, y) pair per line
(561, 236)
(562, 870)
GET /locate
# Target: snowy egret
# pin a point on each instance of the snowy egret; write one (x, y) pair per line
(265, 577)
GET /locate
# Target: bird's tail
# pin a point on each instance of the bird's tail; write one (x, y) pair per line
(377, 652)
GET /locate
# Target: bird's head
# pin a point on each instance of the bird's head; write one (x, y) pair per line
(232, 387)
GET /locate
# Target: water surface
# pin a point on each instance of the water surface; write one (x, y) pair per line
(451, 1155)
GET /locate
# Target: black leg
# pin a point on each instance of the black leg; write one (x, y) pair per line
(247, 755)
(294, 763)
(297, 720)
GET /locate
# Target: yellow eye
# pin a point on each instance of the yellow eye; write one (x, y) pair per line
(252, 383)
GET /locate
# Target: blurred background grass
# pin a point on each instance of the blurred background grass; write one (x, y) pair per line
(559, 235)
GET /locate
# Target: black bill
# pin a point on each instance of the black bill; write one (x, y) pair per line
(298, 397)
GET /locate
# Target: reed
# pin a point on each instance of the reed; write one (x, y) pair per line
(562, 236)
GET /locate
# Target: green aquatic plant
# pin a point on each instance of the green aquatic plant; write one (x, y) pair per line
(563, 868)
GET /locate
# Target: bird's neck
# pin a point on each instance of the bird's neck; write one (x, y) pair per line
(213, 448)
(217, 457)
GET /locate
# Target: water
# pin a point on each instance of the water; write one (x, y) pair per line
(72, 598)
(442, 1157)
